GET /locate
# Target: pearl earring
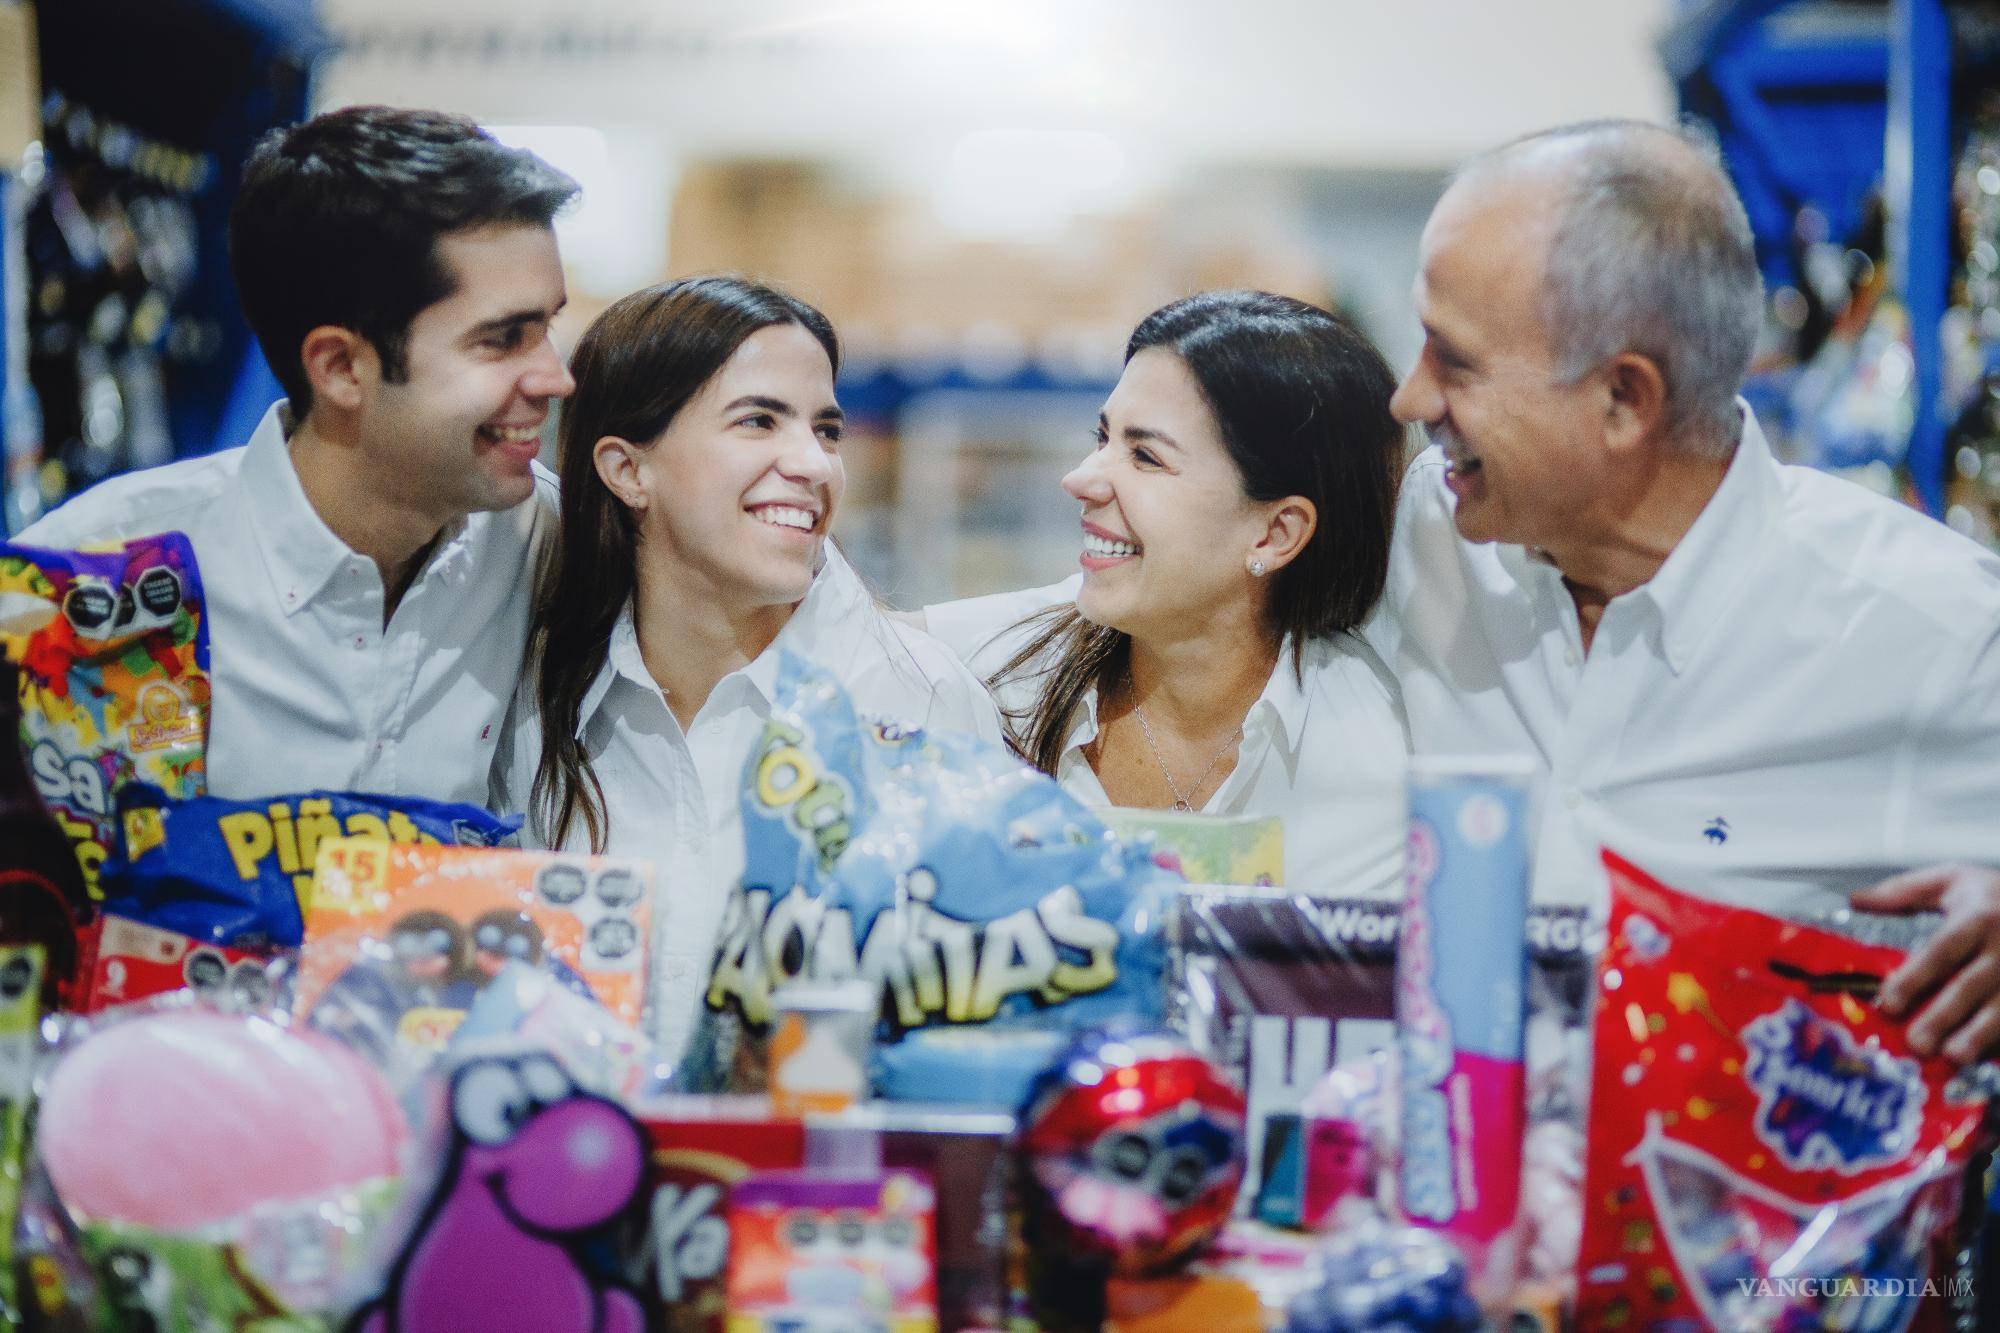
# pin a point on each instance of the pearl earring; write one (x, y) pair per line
(1256, 569)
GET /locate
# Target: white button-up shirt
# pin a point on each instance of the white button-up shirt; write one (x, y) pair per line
(1325, 756)
(673, 796)
(309, 689)
(1804, 698)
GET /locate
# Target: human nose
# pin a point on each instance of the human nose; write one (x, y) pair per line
(1417, 400)
(546, 376)
(1086, 481)
(805, 457)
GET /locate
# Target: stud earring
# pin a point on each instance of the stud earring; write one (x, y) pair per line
(1256, 569)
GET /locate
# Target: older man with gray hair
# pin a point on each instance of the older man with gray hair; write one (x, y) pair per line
(1760, 682)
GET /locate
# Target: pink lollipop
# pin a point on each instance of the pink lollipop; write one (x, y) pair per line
(176, 1120)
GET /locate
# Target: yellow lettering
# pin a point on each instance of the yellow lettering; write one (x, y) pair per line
(361, 824)
(401, 829)
(248, 835)
(287, 842)
(784, 775)
(315, 825)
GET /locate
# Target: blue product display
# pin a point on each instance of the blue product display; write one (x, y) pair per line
(971, 888)
(236, 872)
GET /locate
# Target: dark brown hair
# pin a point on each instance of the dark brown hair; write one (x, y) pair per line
(339, 218)
(1301, 400)
(636, 367)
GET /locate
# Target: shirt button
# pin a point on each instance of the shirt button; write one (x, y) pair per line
(1569, 654)
(1573, 799)
(360, 641)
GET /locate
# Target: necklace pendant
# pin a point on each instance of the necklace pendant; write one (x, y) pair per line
(1184, 807)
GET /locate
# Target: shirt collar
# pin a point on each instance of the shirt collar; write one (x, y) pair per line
(1282, 707)
(827, 627)
(301, 554)
(1713, 559)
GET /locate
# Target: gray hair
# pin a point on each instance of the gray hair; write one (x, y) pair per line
(1651, 253)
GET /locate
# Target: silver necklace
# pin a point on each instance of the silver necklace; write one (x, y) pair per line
(1183, 801)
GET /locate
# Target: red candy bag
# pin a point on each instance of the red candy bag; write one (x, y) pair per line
(1766, 1153)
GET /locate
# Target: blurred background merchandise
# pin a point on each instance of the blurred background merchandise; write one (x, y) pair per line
(986, 198)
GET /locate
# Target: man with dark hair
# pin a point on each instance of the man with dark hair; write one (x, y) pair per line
(366, 555)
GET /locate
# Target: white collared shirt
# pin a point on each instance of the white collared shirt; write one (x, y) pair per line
(309, 690)
(1804, 698)
(1325, 755)
(673, 797)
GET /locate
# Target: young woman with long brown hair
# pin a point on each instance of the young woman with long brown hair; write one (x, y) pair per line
(1236, 513)
(701, 470)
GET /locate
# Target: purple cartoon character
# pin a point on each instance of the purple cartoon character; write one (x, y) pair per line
(536, 1167)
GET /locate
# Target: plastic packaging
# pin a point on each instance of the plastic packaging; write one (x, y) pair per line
(214, 1167)
(532, 1181)
(1384, 1277)
(1133, 1153)
(113, 650)
(1461, 999)
(971, 889)
(1766, 1152)
(401, 939)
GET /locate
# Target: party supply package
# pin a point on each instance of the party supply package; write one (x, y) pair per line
(973, 890)
(1206, 849)
(113, 650)
(401, 939)
(1766, 1152)
(207, 893)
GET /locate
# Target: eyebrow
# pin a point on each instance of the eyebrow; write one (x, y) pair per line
(1446, 347)
(513, 319)
(1139, 433)
(780, 407)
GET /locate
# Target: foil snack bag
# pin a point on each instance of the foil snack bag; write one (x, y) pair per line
(970, 888)
(113, 650)
(1766, 1153)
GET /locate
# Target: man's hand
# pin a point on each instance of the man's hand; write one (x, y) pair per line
(1958, 970)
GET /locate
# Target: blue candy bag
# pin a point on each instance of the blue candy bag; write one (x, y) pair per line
(971, 888)
(236, 872)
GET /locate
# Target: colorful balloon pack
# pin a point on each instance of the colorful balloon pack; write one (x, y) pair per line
(1765, 1150)
(113, 648)
(971, 888)
(401, 939)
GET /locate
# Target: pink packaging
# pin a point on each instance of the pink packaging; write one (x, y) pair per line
(1461, 990)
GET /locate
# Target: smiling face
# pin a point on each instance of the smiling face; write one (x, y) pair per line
(1167, 529)
(1526, 451)
(740, 489)
(462, 428)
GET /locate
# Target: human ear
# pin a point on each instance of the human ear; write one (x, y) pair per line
(1289, 524)
(1636, 403)
(617, 463)
(336, 362)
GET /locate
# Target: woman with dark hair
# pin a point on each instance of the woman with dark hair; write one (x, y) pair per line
(701, 471)
(1236, 520)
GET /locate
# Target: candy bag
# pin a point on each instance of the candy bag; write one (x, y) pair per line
(972, 889)
(401, 940)
(1765, 1150)
(191, 1210)
(113, 648)
(240, 873)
